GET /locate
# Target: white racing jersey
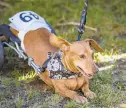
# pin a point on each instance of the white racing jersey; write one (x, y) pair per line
(25, 21)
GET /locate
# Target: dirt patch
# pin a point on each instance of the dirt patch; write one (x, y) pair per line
(119, 75)
(25, 96)
(13, 96)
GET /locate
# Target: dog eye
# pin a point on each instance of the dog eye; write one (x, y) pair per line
(82, 56)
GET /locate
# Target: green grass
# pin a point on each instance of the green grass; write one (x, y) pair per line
(44, 106)
(107, 96)
(31, 93)
(27, 77)
(73, 104)
(19, 102)
(107, 16)
(2, 95)
(53, 99)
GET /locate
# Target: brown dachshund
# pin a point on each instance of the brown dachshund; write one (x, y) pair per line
(77, 57)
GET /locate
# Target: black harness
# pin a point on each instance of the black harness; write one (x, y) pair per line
(56, 68)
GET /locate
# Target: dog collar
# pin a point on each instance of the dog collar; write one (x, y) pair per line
(56, 68)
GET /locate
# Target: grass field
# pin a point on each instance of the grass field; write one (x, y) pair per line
(108, 17)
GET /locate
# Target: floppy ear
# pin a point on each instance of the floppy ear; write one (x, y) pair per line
(94, 44)
(59, 42)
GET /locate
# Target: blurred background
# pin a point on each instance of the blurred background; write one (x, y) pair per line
(107, 16)
(108, 20)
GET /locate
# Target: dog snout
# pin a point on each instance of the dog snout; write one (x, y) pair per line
(95, 70)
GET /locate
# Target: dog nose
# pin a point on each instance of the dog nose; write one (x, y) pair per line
(95, 70)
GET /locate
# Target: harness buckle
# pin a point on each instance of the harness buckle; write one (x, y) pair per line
(37, 68)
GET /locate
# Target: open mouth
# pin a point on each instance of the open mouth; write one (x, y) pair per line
(84, 73)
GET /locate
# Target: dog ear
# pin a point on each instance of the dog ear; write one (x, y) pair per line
(95, 45)
(59, 42)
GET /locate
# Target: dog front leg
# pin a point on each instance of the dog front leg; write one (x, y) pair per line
(66, 92)
(88, 93)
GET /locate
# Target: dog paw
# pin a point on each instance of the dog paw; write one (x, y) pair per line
(81, 99)
(90, 94)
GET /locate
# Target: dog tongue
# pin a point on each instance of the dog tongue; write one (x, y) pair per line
(89, 75)
(85, 74)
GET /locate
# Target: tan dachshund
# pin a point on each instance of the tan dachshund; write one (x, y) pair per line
(77, 57)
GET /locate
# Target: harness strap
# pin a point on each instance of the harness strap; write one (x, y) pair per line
(44, 66)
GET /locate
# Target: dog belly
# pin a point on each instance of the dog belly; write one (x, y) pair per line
(76, 83)
(71, 84)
